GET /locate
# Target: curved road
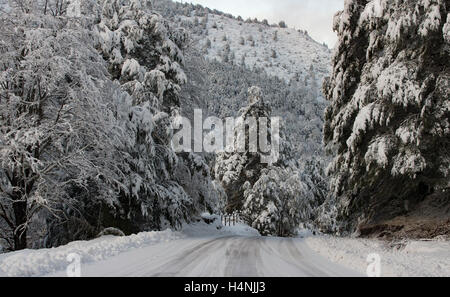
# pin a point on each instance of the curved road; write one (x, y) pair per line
(220, 257)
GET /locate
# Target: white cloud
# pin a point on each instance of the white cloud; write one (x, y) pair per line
(315, 16)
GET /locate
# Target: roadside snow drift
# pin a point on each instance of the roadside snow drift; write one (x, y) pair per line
(404, 259)
(45, 261)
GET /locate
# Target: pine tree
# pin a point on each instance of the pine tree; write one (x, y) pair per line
(273, 198)
(235, 168)
(388, 120)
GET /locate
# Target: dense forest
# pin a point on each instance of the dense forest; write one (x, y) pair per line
(90, 91)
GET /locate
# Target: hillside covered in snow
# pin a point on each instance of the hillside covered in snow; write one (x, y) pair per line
(286, 53)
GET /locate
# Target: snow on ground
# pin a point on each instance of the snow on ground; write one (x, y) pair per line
(44, 261)
(203, 255)
(202, 249)
(47, 261)
(407, 259)
(201, 229)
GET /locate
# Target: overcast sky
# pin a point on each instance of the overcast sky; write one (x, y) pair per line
(315, 16)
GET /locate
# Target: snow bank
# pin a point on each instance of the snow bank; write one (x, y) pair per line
(45, 261)
(408, 259)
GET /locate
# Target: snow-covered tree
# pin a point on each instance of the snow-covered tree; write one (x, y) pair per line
(279, 201)
(145, 56)
(143, 52)
(276, 198)
(55, 128)
(388, 124)
(235, 168)
(226, 53)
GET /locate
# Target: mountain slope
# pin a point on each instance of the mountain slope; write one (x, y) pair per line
(282, 52)
(286, 53)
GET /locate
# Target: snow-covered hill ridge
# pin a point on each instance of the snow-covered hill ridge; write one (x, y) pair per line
(286, 53)
(282, 52)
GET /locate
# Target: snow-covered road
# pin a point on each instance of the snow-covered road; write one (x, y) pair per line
(237, 251)
(232, 256)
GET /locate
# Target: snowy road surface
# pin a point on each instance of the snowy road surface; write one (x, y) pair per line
(206, 250)
(232, 256)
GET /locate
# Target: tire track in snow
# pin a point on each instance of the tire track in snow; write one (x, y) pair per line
(243, 257)
(188, 260)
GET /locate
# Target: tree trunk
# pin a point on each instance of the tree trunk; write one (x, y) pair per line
(20, 234)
